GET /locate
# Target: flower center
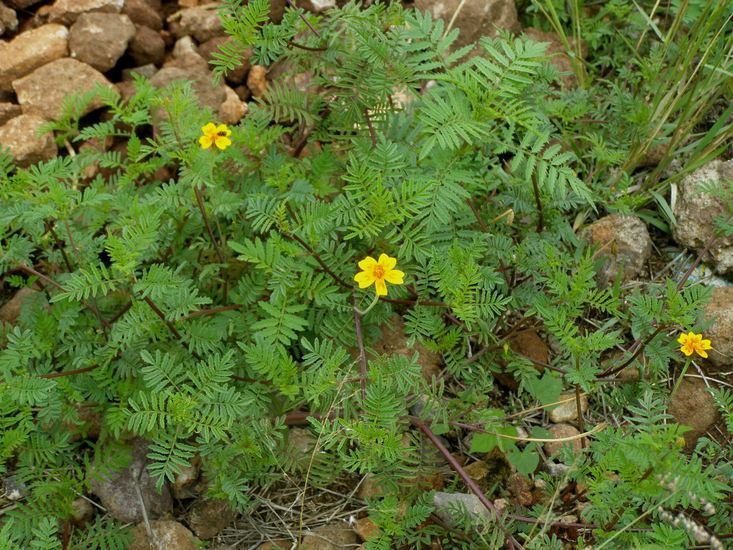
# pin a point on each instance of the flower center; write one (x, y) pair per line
(221, 134)
(378, 271)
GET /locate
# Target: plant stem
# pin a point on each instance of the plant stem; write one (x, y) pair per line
(209, 230)
(680, 378)
(362, 353)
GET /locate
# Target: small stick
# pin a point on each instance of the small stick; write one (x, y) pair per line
(362, 353)
(209, 230)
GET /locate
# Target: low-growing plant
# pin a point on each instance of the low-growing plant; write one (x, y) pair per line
(207, 286)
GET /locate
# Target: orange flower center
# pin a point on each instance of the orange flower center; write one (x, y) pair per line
(378, 271)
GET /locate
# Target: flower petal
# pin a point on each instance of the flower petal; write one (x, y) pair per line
(209, 128)
(381, 287)
(367, 263)
(682, 339)
(222, 142)
(364, 278)
(706, 344)
(205, 141)
(223, 129)
(702, 353)
(394, 276)
(687, 350)
(387, 261)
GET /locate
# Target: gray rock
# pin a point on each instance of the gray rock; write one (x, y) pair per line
(67, 11)
(190, 69)
(118, 490)
(332, 536)
(21, 4)
(201, 22)
(232, 108)
(143, 13)
(624, 244)
(720, 312)
(43, 91)
(147, 47)
(561, 431)
(476, 18)
(8, 19)
(8, 111)
(100, 39)
(695, 212)
(568, 411)
(81, 511)
(447, 505)
(209, 516)
(167, 535)
(30, 50)
(316, 6)
(148, 71)
(20, 136)
(694, 406)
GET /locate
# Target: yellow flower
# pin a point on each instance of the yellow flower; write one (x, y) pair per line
(693, 343)
(377, 272)
(215, 135)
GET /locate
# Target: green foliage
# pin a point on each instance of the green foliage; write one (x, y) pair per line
(205, 310)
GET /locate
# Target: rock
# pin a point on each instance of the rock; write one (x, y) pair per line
(257, 80)
(232, 108)
(568, 411)
(184, 46)
(8, 111)
(243, 92)
(720, 312)
(210, 47)
(695, 213)
(142, 13)
(330, 537)
(201, 22)
(30, 50)
(100, 39)
(148, 71)
(624, 244)
(67, 11)
(126, 89)
(316, 6)
(370, 488)
(529, 344)
(477, 18)
(366, 529)
(557, 54)
(560, 431)
(20, 136)
(8, 19)
(186, 478)
(520, 488)
(277, 10)
(21, 4)
(147, 47)
(501, 504)
(81, 511)
(14, 489)
(43, 91)
(393, 341)
(209, 95)
(118, 493)
(301, 440)
(693, 406)
(167, 535)
(209, 516)
(447, 505)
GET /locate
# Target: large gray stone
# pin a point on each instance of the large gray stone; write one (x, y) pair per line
(43, 91)
(720, 312)
(624, 245)
(67, 11)
(100, 39)
(20, 136)
(118, 491)
(30, 50)
(695, 212)
(476, 18)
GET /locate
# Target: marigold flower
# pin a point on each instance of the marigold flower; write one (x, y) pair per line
(215, 135)
(693, 343)
(379, 272)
